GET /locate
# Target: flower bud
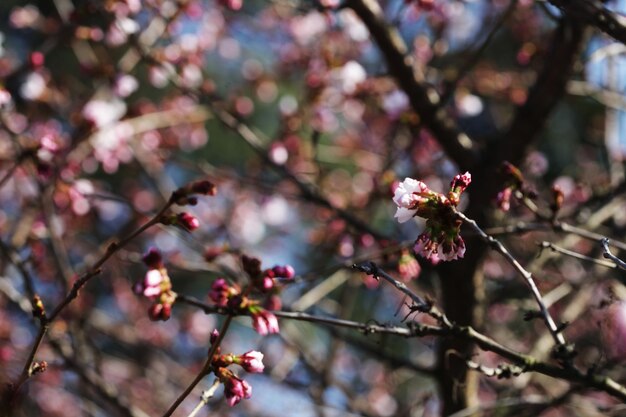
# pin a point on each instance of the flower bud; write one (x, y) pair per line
(557, 198)
(204, 187)
(41, 366)
(187, 221)
(153, 259)
(251, 361)
(160, 312)
(285, 271)
(38, 309)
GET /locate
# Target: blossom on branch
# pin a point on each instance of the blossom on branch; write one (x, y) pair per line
(441, 241)
(408, 196)
(251, 361)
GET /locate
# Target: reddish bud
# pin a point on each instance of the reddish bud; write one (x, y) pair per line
(187, 222)
(204, 187)
(153, 259)
(38, 307)
(160, 312)
(37, 59)
(251, 265)
(558, 198)
(41, 366)
(284, 271)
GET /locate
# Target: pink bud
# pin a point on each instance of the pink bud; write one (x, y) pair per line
(215, 334)
(187, 221)
(220, 291)
(159, 312)
(285, 271)
(268, 283)
(153, 259)
(235, 388)
(252, 361)
(265, 322)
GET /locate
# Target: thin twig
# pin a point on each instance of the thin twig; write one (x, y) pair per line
(448, 329)
(94, 270)
(528, 277)
(607, 254)
(206, 369)
(555, 248)
(204, 399)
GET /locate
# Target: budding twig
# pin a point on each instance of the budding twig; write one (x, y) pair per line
(564, 351)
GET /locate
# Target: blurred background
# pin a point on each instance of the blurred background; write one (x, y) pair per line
(290, 108)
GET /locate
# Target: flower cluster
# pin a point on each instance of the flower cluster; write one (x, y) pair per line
(235, 388)
(224, 294)
(441, 241)
(156, 286)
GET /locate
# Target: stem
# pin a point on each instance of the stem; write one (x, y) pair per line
(206, 369)
(204, 400)
(528, 277)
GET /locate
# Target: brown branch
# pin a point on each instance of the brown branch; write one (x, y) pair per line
(449, 329)
(594, 13)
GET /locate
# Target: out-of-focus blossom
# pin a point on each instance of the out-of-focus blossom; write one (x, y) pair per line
(503, 199)
(125, 85)
(104, 112)
(349, 76)
(156, 286)
(408, 267)
(395, 103)
(613, 331)
(221, 292)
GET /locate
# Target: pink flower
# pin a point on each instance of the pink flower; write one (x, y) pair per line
(461, 181)
(236, 389)
(407, 196)
(264, 322)
(251, 361)
(452, 249)
(152, 283)
(426, 247)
